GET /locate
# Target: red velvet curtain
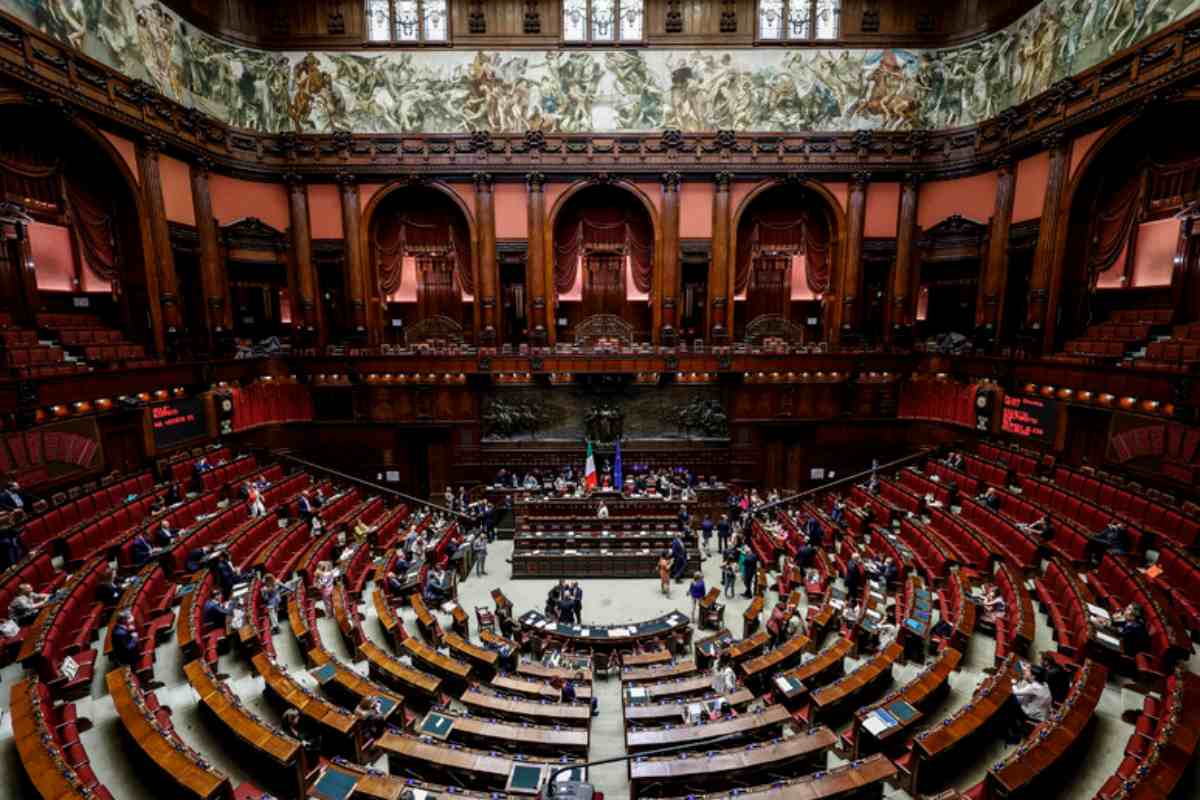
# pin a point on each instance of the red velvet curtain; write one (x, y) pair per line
(1114, 214)
(611, 228)
(784, 230)
(434, 232)
(769, 288)
(94, 219)
(266, 403)
(437, 294)
(603, 284)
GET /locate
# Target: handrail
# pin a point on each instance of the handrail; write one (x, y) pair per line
(280, 454)
(922, 453)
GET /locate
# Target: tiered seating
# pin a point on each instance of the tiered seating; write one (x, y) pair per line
(1163, 743)
(1025, 767)
(195, 638)
(931, 555)
(1181, 579)
(25, 456)
(1090, 517)
(919, 485)
(1118, 585)
(180, 467)
(1002, 535)
(150, 601)
(199, 521)
(86, 336)
(228, 473)
(47, 738)
(36, 570)
(957, 611)
(970, 549)
(64, 629)
(966, 484)
(148, 726)
(1065, 599)
(1132, 506)
(1022, 462)
(107, 533)
(85, 509)
(1125, 331)
(988, 472)
(1015, 628)
(1070, 538)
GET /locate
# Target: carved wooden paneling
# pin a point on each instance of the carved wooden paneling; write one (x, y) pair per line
(504, 22)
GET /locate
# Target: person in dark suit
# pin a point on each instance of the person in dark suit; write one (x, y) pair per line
(854, 578)
(216, 611)
(196, 558)
(678, 558)
(723, 531)
(141, 551)
(227, 577)
(12, 499)
(813, 531)
(11, 549)
(307, 508)
(126, 649)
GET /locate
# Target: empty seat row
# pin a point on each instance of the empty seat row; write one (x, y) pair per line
(67, 628)
(51, 370)
(18, 338)
(948, 475)
(923, 487)
(38, 722)
(1171, 350)
(101, 501)
(1146, 316)
(87, 336)
(986, 471)
(932, 559)
(1002, 535)
(27, 356)
(1020, 462)
(1100, 348)
(181, 468)
(1124, 331)
(971, 550)
(1070, 539)
(1181, 578)
(107, 532)
(64, 321)
(1090, 517)
(1130, 505)
(114, 352)
(1065, 599)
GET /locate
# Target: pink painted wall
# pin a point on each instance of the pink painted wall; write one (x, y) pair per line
(1081, 146)
(54, 266)
(285, 307)
(800, 290)
(93, 282)
(234, 199)
(512, 213)
(177, 190)
(365, 192)
(841, 193)
(1030, 191)
(632, 293)
(1112, 277)
(695, 210)
(325, 211)
(973, 198)
(128, 152)
(737, 194)
(407, 293)
(883, 203)
(1155, 255)
(653, 192)
(575, 293)
(466, 192)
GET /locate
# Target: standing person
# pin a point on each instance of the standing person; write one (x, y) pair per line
(566, 605)
(777, 623)
(577, 599)
(749, 568)
(854, 578)
(729, 576)
(126, 649)
(706, 530)
(664, 573)
(480, 548)
(697, 591)
(723, 530)
(724, 678)
(678, 558)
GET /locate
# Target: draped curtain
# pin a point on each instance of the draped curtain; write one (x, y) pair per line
(609, 228)
(603, 284)
(94, 221)
(421, 233)
(768, 289)
(1113, 217)
(784, 231)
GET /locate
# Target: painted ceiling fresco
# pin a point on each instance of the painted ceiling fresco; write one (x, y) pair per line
(644, 89)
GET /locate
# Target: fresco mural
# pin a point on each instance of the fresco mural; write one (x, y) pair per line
(456, 91)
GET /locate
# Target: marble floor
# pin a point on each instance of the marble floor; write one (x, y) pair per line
(605, 601)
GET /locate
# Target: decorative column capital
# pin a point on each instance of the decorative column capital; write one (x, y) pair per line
(202, 165)
(535, 181)
(1055, 141)
(859, 180)
(911, 180)
(152, 144)
(670, 181)
(346, 179)
(483, 181)
(294, 180)
(722, 180)
(1003, 163)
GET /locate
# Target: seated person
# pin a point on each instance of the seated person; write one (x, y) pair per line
(293, 727)
(437, 586)
(1033, 702)
(991, 498)
(216, 611)
(1114, 537)
(1042, 526)
(164, 535)
(396, 580)
(226, 575)
(126, 643)
(26, 605)
(11, 548)
(1135, 636)
(12, 499)
(196, 558)
(370, 711)
(873, 484)
(838, 513)
(141, 551)
(108, 590)
(993, 605)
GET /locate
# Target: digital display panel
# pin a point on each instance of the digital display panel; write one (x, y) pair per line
(177, 421)
(1030, 418)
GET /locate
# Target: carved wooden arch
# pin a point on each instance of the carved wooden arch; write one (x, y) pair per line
(434, 328)
(773, 325)
(548, 231)
(133, 185)
(836, 240)
(603, 326)
(374, 305)
(1075, 180)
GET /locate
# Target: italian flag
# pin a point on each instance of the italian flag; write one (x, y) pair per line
(589, 470)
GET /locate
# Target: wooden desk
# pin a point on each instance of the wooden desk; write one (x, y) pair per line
(646, 658)
(391, 624)
(408, 755)
(862, 780)
(748, 647)
(656, 777)
(827, 664)
(428, 626)
(934, 744)
(673, 710)
(536, 689)
(275, 752)
(610, 637)
(679, 669)
(758, 726)
(348, 687)
(338, 728)
(177, 762)
(42, 759)
(863, 680)
(535, 669)
(1017, 773)
(413, 683)
(450, 669)
(374, 786)
(750, 617)
(708, 649)
(483, 659)
(512, 737)
(758, 671)
(484, 702)
(651, 692)
(922, 693)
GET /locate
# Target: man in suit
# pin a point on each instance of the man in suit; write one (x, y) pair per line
(307, 509)
(227, 577)
(723, 529)
(126, 649)
(11, 499)
(141, 550)
(11, 549)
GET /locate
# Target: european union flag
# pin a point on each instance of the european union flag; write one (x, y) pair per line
(618, 470)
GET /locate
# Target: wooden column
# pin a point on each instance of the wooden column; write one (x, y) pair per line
(217, 311)
(1045, 266)
(720, 320)
(535, 264)
(989, 308)
(356, 267)
(668, 295)
(168, 292)
(904, 303)
(18, 280)
(852, 275)
(306, 311)
(489, 276)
